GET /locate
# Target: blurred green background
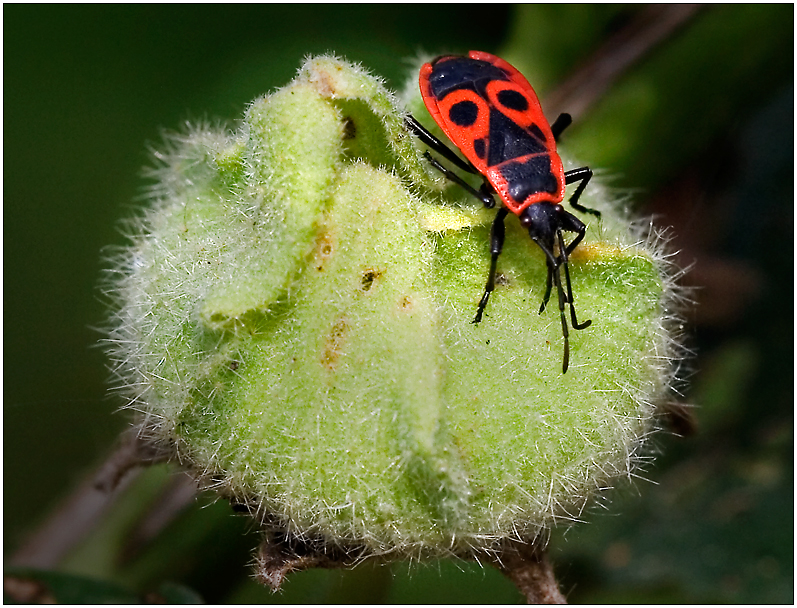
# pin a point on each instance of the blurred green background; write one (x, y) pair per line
(702, 130)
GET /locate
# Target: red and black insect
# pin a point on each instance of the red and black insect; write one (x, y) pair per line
(490, 112)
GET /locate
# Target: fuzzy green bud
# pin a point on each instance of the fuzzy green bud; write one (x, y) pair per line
(294, 325)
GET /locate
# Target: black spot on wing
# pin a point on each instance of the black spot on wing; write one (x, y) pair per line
(508, 140)
(463, 113)
(513, 100)
(529, 177)
(462, 73)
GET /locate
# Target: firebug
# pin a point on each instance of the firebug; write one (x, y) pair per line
(490, 112)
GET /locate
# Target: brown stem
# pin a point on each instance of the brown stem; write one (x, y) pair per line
(528, 567)
(280, 554)
(653, 25)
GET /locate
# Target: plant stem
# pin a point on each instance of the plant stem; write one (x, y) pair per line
(81, 512)
(585, 87)
(528, 567)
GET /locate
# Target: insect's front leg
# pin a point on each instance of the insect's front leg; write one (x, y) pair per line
(496, 245)
(569, 290)
(580, 229)
(548, 286)
(554, 264)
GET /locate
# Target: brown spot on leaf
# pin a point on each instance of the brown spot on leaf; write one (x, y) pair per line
(324, 83)
(324, 248)
(369, 276)
(333, 345)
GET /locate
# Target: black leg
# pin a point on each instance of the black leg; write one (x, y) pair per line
(565, 331)
(574, 243)
(553, 263)
(437, 145)
(560, 124)
(565, 296)
(565, 251)
(496, 245)
(485, 197)
(582, 175)
(548, 286)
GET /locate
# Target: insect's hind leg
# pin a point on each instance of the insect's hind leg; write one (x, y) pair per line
(484, 194)
(485, 197)
(582, 175)
(435, 144)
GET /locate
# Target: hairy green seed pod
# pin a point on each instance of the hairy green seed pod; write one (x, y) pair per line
(294, 326)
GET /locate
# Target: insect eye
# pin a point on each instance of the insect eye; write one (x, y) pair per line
(512, 100)
(463, 113)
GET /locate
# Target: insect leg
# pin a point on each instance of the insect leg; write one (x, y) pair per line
(553, 269)
(496, 245)
(483, 194)
(565, 251)
(485, 197)
(435, 144)
(565, 332)
(582, 175)
(548, 285)
(574, 243)
(560, 124)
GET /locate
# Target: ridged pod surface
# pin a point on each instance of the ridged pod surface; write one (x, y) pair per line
(293, 324)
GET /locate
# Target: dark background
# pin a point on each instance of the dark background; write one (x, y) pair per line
(702, 128)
